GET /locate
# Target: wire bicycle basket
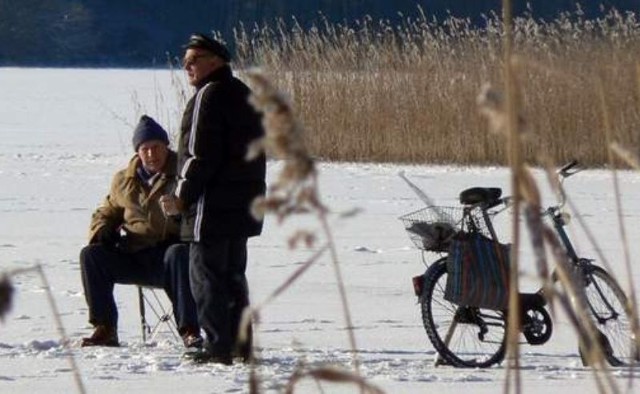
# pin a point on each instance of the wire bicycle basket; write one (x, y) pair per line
(432, 228)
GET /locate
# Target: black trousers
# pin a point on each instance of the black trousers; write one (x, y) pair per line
(162, 266)
(219, 286)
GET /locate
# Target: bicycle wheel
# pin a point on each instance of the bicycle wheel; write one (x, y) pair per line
(463, 336)
(608, 309)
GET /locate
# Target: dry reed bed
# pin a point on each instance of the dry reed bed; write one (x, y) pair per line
(406, 93)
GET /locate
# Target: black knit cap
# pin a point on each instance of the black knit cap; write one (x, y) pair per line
(201, 41)
(148, 130)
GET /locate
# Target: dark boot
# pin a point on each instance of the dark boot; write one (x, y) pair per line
(102, 336)
(244, 350)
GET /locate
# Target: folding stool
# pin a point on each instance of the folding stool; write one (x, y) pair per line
(148, 298)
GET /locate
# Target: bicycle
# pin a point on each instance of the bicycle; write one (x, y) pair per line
(467, 335)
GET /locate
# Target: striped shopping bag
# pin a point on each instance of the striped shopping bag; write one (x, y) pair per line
(478, 272)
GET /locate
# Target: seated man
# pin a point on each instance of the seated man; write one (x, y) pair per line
(132, 242)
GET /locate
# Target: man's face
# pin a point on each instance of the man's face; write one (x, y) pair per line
(153, 155)
(198, 64)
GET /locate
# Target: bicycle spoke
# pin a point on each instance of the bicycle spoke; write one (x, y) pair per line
(464, 337)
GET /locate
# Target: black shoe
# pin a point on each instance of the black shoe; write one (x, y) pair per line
(243, 351)
(243, 355)
(205, 357)
(102, 336)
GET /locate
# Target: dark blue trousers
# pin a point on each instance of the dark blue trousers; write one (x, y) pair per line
(161, 266)
(219, 286)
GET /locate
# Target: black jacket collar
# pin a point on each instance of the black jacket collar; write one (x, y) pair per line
(222, 73)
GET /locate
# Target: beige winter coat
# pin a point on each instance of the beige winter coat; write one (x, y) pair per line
(134, 206)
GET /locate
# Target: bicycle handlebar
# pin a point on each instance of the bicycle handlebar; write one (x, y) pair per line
(566, 171)
(569, 169)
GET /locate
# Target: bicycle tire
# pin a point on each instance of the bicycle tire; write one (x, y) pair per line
(466, 346)
(610, 312)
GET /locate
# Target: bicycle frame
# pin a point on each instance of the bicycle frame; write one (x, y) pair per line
(554, 212)
(558, 225)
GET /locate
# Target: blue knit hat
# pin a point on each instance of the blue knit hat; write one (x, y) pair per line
(147, 130)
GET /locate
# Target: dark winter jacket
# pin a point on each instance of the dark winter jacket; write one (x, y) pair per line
(216, 183)
(134, 207)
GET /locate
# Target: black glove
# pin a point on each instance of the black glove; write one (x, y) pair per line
(107, 236)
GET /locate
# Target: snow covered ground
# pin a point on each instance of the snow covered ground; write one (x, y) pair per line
(63, 134)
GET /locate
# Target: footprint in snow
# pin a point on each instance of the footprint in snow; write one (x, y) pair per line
(366, 249)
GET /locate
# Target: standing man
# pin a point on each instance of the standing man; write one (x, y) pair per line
(216, 187)
(132, 242)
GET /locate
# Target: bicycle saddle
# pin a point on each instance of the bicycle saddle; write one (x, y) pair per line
(476, 195)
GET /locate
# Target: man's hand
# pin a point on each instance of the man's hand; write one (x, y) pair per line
(106, 236)
(171, 205)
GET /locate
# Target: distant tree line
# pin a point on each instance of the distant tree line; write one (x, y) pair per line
(143, 33)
